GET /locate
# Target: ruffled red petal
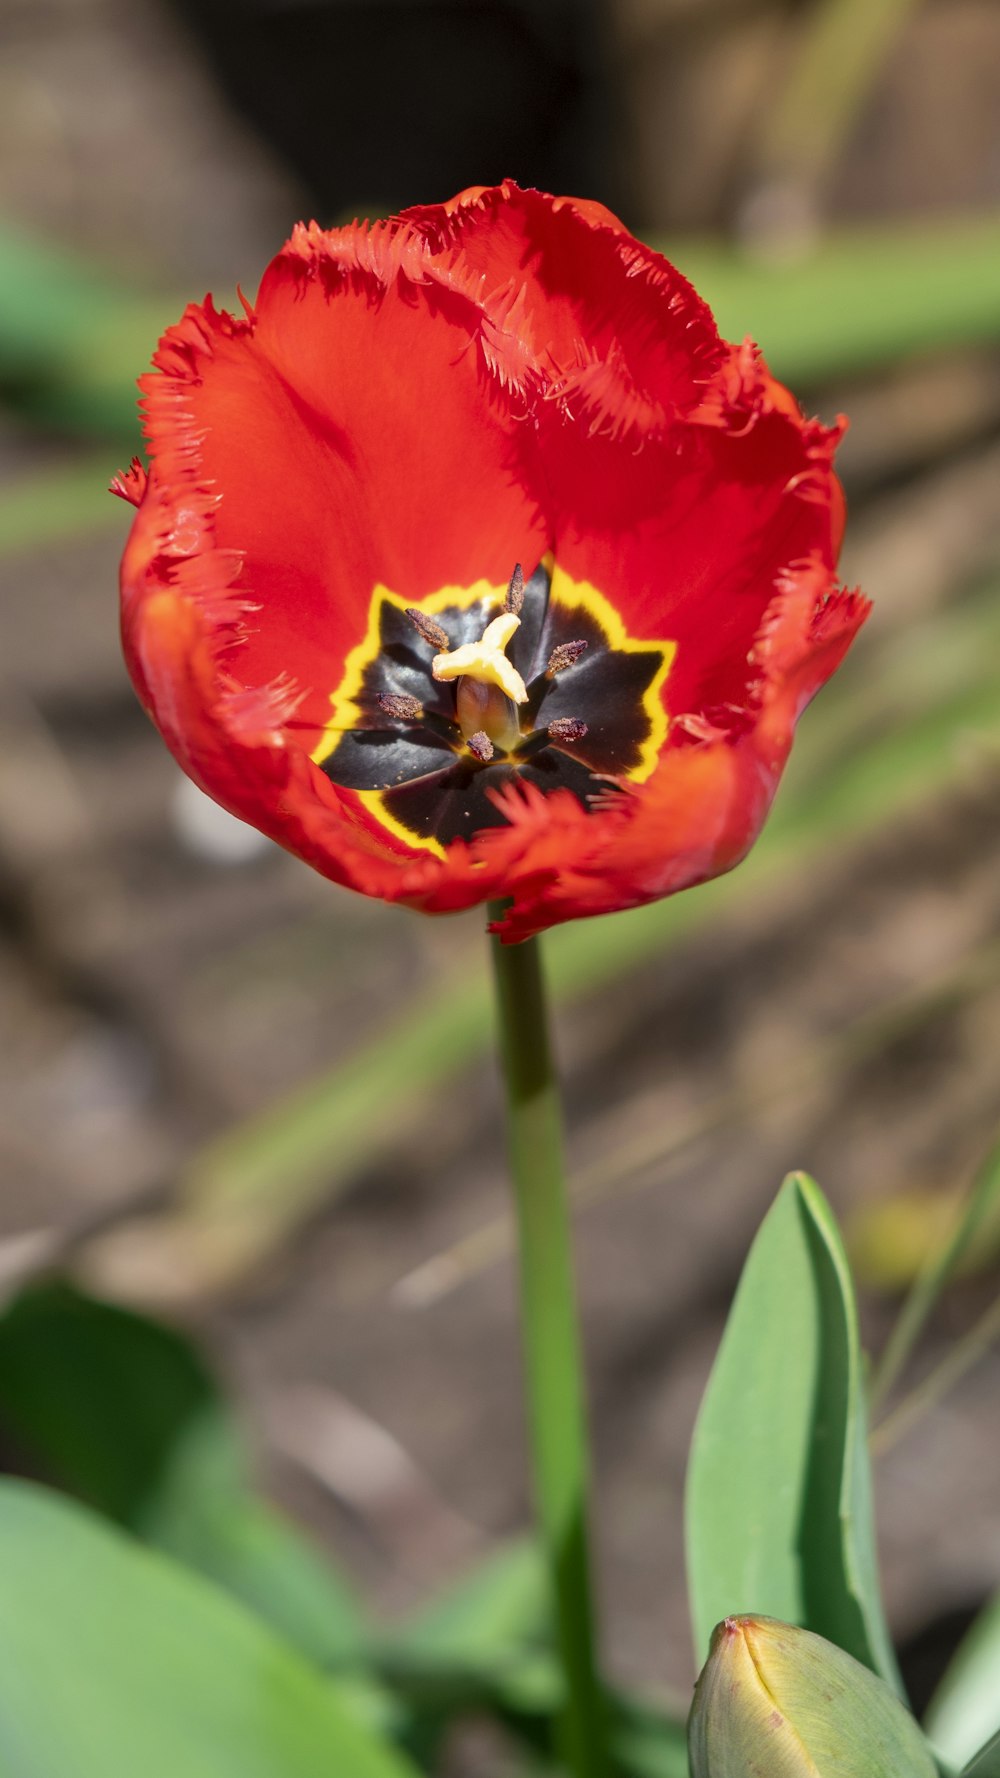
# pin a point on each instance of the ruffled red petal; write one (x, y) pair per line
(239, 743)
(680, 478)
(692, 529)
(341, 436)
(703, 808)
(130, 484)
(577, 313)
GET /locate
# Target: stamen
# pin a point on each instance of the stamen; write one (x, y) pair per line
(515, 592)
(399, 705)
(563, 731)
(485, 660)
(432, 632)
(563, 656)
(567, 728)
(481, 747)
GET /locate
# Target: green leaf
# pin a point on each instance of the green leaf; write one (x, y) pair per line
(62, 502)
(73, 339)
(987, 1761)
(502, 1605)
(779, 1516)
(206, 1516)
(97, 1397)
(965, 1709)
(50, 300)
(645, 1743)
(121, 1411)
(114, 1661)
(477, 1647)
(485, 1645)
(863, 297)
(524, 1691)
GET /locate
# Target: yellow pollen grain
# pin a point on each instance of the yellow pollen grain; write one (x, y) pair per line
(485, 660)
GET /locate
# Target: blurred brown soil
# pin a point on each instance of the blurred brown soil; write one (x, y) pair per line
(152, 994)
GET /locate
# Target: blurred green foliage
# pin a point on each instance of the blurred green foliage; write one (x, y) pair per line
(290, 1671)
(164, 1456)
(965, 1709)
(116, 1660)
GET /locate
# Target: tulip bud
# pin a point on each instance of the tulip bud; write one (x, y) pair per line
(776, 1702)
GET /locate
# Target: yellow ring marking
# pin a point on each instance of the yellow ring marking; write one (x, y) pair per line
(345, 712)
(567, 593)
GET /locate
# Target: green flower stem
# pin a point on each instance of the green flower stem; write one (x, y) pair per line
(552, 1358)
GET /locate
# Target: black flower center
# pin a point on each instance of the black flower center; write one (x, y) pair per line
(424, 750)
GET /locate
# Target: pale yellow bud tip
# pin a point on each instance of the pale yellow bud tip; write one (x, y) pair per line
(778, 1701)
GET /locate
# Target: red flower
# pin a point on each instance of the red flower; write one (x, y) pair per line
(410, 409)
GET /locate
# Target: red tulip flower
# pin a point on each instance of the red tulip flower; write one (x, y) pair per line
(320, 606)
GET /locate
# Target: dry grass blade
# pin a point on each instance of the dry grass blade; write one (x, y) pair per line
(628, 1160)
(964, 1355)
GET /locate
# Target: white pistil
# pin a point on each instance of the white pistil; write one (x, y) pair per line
(485, 660)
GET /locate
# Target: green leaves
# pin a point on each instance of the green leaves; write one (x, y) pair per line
(72, 338)
(207, 1516)
(96, 1397)
(862, 298)
(115, 1662)
(987, 1761)
(485, 1646)
(779, 1524)
(122, 1412)
(965, 1709)
(502, 1604)
(779, 1518)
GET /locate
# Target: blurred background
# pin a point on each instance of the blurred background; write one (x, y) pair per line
(241, 1100)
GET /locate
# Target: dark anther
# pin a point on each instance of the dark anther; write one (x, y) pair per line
(481, 747)
(515, 592)
(432, 632)
(567, 728)
(399, 705)
(563, 657)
